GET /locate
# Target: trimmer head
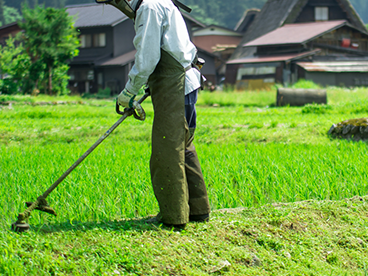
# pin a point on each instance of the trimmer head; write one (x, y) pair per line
(41, 204)
(19, 227)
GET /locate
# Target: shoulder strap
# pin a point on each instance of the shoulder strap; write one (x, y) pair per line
(182, 6)
(138, 5)
(176, 3)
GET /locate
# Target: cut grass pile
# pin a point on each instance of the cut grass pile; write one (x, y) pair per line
(252, 154)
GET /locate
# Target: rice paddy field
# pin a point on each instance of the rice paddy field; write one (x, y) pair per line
(253, 154)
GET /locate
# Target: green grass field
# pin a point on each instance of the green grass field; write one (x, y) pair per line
(253, 154)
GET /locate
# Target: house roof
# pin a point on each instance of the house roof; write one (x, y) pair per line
(92, 15)
(339, 66)
(14, 24)
(215, 30)
(296, 33)
(346, 6)
(272, 16)
(245, 21)
(120, 60)
(195, 21)
(275, 58)
(276, 13)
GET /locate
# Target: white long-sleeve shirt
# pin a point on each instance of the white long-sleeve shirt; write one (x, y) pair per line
(159, 24)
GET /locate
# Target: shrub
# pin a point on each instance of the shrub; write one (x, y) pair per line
(316, 108)
(8, 86)
(306, 84)
(106, 93)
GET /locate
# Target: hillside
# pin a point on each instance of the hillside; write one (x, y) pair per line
(224, 13)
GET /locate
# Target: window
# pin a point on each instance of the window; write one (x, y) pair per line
(86, 41)
(100, 78)
(255, 71)
(90, 75)
(99, 40)
(321, 13)
(95, 40)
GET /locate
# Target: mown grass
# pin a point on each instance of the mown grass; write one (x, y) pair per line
(304, 238)
(252, 154)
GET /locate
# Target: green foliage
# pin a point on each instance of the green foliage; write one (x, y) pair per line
(50, 39)
(101, 94)
(11, 15)
(265, 160)
(105, 92)
(361, 6)
(39, 62)
(316, 108)
(223, 13)
(2, 19)
(219, 12)
(60, 79)
(305, 84)
(14, 67)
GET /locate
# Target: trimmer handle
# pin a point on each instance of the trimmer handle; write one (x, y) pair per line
(141, 100)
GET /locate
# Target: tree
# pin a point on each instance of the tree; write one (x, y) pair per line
(14, 67)
(11, 15)
(2, 18)
(361, 6)
(222, 13)
(49, 39)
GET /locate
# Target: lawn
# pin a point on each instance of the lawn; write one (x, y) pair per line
(254, 156)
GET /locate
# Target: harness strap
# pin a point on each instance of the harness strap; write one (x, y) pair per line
(182, 6)
(137, 7)
(176, 3)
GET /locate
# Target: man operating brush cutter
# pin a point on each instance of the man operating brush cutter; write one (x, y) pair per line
(167, 61)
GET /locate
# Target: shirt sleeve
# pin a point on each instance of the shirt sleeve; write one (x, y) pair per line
(147, 41)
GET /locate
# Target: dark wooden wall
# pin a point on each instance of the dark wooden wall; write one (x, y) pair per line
(6, 32)
(335, 38)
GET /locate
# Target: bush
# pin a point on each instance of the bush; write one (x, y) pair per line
(306, 84)
(316, 108)
(104, 92)
(8, 86)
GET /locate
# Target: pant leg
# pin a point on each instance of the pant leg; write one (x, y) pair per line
(198, 198)
(167, 163)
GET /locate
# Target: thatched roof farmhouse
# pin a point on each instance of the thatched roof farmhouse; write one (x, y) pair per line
(287, 35)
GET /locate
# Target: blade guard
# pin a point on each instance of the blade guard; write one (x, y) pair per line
(43, 208)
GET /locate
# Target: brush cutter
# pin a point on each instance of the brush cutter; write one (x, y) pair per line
(41, 204)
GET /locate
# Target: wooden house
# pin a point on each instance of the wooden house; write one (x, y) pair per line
(9, 30)
(212, 37)
(219, 43)
(286, 36)
(107, 52)
(246, 20)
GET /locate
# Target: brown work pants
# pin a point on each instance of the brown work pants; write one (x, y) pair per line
(176, 174)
